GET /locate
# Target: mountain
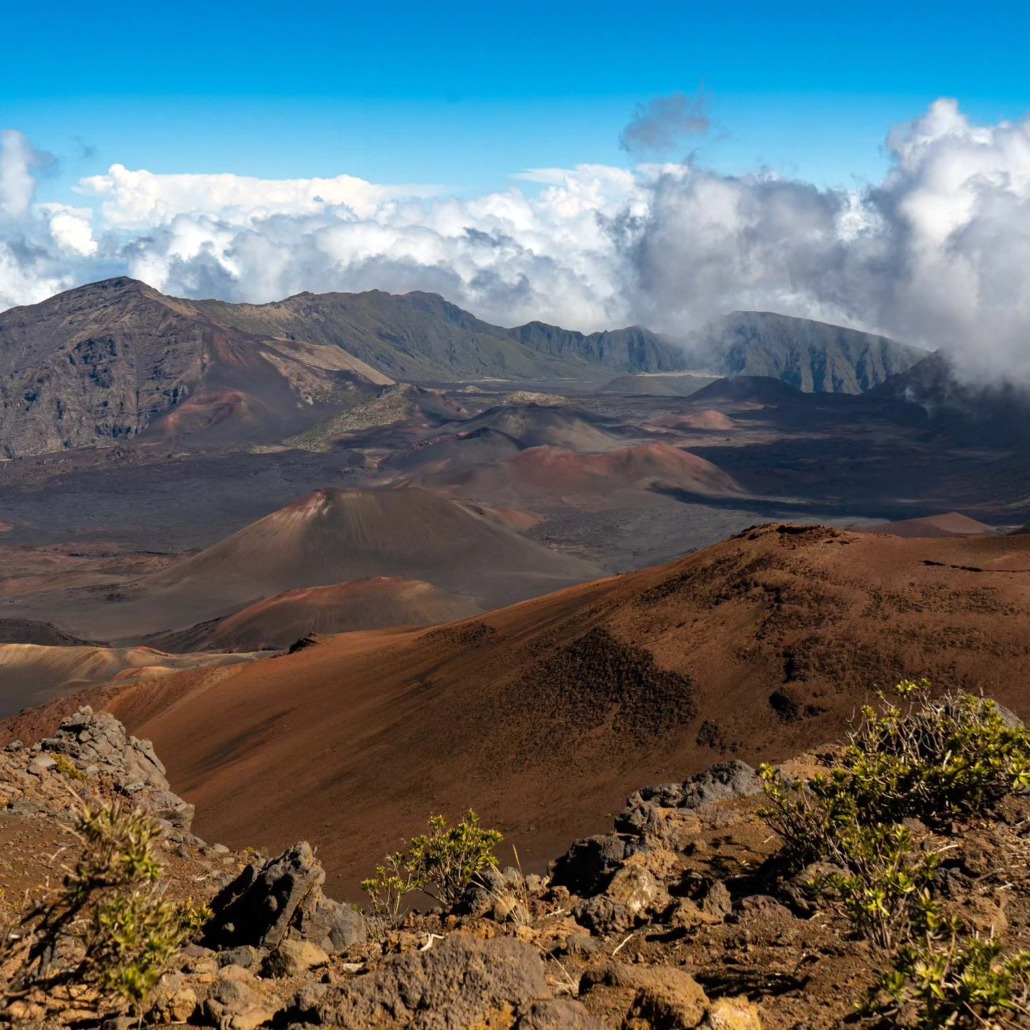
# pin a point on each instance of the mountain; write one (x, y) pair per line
(554, 476)
(110, 361)
(813, 356)
(538, 425)
(422, 337)
(965, 411)
(418, 337)
(672, 385)
(750, 389)
(331, 537)
(543, 716)
(953, 523)
(633, 349)
(117, 360)
(29, 631)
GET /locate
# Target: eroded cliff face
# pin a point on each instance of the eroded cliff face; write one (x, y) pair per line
(110, 361)
(94, 365)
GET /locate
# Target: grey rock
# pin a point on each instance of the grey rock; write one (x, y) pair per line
(604, 916)
(258, 906)
(716, 901)
(244, 956)
(726, 780)
(330, 924)
(581, 944)
(723, 781)
(458, 983)
(239, 1002)
(589, 865)
(99, 740)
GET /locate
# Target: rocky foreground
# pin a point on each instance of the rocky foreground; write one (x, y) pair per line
(684, 916)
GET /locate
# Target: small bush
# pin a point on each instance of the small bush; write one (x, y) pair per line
(958, 982)
(933, 759)
(929, 759)
(132, 938)
(448, 857)
(441, 863)
(106, 927)
(394, 880)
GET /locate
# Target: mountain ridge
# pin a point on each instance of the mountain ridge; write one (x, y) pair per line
(117, 360)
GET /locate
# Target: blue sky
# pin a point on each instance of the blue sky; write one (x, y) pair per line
(464, 94)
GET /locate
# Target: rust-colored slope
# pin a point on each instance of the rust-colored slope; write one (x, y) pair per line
(544, 715)
(361, 604)
(31, 674)
(546, 473)
(952, 524)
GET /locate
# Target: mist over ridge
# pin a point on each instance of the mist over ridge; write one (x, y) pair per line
(933, 254)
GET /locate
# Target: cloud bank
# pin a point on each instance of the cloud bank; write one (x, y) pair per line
(937, 253)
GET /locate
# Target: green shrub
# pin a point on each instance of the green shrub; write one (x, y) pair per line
(957, 982)
(929, 759)
(131, 939)
(448, 857)
(394, 880)
(441, 863)
(106, 927)
(933, 759)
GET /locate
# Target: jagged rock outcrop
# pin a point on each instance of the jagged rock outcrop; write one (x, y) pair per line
(98, 745)
(734, 779)
(94, 746)
(282, 898)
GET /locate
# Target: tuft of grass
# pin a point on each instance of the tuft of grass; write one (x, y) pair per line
(66, 767)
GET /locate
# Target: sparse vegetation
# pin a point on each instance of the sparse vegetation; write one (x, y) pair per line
(66, 767)
(441, 863)
(927, 761)
(107, 927)
(953, 980)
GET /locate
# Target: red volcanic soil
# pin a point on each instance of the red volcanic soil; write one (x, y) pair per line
(708, 420)
(557, 471)
(543, 716)
(952, 524)
(547, 473)
(31, 674)
(277, 622)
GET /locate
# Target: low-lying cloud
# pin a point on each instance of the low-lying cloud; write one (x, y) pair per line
(936, 253)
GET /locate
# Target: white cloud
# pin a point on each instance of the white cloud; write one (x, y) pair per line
(17, 183)
(936, 253)
(72, 228)
(142, 199)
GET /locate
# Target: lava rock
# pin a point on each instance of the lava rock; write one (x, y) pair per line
(588, 866)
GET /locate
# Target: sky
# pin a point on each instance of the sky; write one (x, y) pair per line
(590, 164)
